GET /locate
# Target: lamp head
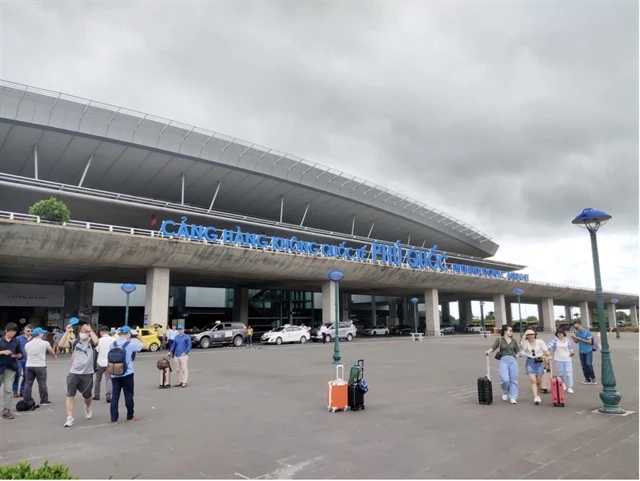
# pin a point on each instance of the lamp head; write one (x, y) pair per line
(336, 276)
(518, 292)
(128, 288)
(482, 303)
(414, 300)
(591, 219)
(614, 301)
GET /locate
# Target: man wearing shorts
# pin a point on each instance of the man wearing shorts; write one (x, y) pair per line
(80, 378)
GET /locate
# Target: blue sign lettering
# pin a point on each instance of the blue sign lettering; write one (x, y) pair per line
(378, 253)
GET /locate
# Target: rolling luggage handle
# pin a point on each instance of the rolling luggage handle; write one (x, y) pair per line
(488, 368)
(339, 372)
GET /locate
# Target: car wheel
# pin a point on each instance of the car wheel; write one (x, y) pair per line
(303, 339)
(349, 337)
(374, 333)
(328, 338)
(205, 343)
(386, 333)
(279, 341)
(238, 340)
(154, 347)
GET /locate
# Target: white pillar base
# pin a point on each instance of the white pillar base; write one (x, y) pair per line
(585, 314)
(499, 310)
(432, 312)
(548, 315)
(633, 311)
(328, 302)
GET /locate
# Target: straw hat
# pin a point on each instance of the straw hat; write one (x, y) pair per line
(529, 331)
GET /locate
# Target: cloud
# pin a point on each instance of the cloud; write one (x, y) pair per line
(513, 117)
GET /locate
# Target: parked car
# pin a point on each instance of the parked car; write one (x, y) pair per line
(346, 330)
(474, 329)
(376, 331)
(285, 334)
(224, 333)
(150, 335)
(447, 330)
(401, 330)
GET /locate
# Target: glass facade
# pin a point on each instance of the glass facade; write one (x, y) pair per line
(276, 307)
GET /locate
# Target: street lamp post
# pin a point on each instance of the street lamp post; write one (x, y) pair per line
(336, 277)
(482, 318)
(415, 314)
(592, 220)
(518, 292)
(127, 289)
(614, 301)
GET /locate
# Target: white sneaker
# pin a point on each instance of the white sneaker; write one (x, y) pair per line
(594, 382)
(513, 401)
(537, 400)
(87, 413)
(505, 397)
(570, 391)
(70, 422)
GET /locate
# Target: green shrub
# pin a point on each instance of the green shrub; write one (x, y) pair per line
(25, 471)
(51, 209)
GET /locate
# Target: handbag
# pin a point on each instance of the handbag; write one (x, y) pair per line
(499, 354)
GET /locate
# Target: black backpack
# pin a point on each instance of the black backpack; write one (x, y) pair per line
(117, 359)
(24, 405)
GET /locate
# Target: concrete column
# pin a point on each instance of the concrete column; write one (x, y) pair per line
(611, 314)
(585, 314)
(466, 313)
(345, 306)
(241, 305)
(432, 312)
(508, 314)
(548, 315)
(567, 315)
(78, 300)
(499, 310)
(328, 302)
(393, 312)
(446, 313)
(633, 312)
(156, 303)
(374, 311)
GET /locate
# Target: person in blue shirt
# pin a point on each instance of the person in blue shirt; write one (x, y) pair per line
(124, 382)
(23, 338)
(584, 339)
(180, 348)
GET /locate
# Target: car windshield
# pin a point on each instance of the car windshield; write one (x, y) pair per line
(277, 329)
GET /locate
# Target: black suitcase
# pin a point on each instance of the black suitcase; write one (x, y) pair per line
(356, 397)
(485, 387)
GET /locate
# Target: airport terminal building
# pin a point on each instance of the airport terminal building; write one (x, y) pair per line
(210, 226)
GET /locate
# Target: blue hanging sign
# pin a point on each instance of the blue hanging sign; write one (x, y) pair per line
(378, 253)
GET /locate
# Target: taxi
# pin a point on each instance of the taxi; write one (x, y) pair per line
(150, 335)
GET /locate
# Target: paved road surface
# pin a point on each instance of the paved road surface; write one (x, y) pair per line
(260, 413)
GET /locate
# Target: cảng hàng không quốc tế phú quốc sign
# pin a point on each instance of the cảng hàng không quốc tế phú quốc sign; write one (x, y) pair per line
(380, 253)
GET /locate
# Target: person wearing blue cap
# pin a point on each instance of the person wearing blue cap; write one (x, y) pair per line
(125, 382)
(36, 367)
(23, 339)
(180, 348)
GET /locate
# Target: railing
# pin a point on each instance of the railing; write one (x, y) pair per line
(216, 214)
(14, 216)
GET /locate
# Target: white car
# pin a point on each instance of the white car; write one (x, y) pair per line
(284, 334)
(376, 331)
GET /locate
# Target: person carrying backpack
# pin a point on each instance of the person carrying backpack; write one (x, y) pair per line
(120, 367)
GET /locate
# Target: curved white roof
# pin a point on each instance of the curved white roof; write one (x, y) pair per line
(139, 154)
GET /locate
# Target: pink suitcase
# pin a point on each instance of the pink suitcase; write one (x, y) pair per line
(557, 389)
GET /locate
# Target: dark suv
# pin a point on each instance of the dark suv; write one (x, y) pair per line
(219, 334)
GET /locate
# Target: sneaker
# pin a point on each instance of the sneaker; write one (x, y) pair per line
(87, 413)
(6, 414)
(133, 419)
(108, 399)
(587, 382)
(594, 382)
(537, 400)
(45, 403)
(70, 422)
(96, 398)
(505, 397)
(570, 391)
(513, 401)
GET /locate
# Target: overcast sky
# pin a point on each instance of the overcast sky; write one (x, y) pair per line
(510, 116)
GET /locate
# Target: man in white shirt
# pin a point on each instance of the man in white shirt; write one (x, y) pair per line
(104, 346)
(323, 332)
(36, 366)
(171, 335)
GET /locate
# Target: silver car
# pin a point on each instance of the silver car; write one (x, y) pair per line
(220, 334)
(346, 331)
